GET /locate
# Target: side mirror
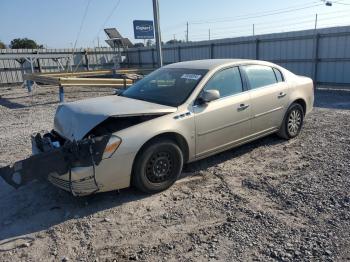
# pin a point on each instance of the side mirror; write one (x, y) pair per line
(208, 96)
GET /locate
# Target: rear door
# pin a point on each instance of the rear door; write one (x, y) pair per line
(268, 94)
(222, 122)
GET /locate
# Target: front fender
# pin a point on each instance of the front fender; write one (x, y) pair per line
(136, 136)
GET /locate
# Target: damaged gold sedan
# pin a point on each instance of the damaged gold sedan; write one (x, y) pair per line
(177, 114)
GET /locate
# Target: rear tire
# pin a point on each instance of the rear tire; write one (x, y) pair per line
(292, 122)
(157, 166)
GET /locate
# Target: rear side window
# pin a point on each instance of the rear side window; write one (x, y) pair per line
(227, 82)
(278, 75)
(260, 75)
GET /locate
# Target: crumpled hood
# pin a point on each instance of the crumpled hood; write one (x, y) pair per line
(74, 120)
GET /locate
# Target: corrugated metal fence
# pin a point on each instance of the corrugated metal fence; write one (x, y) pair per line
(323, 54)
(82, 59)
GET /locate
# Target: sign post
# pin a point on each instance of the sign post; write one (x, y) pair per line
(158, 36)
(144, 29)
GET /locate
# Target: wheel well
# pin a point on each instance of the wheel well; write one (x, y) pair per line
(302, 103)
(175, 137)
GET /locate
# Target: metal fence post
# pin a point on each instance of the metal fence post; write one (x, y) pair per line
(212, 50)
(127, 58)
(257, 49)
(315, 58)
(29, 84)
(87, 65)
(139, 57)
(39, 65)
(61, 94)
(153, 58)
(179, 53)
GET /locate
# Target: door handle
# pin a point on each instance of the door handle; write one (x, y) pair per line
(242, 107)
(280, 95)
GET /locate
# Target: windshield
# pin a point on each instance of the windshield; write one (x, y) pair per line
(166, 86)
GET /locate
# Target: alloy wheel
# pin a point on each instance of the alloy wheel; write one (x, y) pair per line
(294, 122)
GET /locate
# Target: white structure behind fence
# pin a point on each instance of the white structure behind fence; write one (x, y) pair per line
(14, 62)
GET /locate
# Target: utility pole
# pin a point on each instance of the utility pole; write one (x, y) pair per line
(209, 33)
(157, 31)
(253, 30)
(174, 52)
(316, 22)
(187, 32)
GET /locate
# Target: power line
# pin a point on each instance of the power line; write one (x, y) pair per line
(277, 22)
(107, 18)
(82, 23)
(255, 13)
(229, 18)
(341, 3)
(262, 14)
(298, 28)
(180, 31)
(80, 29)
(264, 27)
(241, 16)
(257, 16)
(303, 21)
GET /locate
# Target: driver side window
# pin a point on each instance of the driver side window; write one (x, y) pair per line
(227, 82)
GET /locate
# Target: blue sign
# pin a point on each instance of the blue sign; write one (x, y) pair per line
(143, 29)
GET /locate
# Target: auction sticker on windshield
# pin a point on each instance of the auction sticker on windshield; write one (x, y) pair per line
(191, 76)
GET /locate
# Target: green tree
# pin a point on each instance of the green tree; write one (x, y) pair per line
(2, 45)
(18, 43)
(149, 43)
(174, 41)
(139, 45)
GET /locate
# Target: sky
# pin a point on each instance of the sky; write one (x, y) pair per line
(56, 24)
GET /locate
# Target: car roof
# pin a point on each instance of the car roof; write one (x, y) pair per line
(210, 64)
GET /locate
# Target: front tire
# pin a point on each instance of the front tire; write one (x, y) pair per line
(157, 166)
(292, 122)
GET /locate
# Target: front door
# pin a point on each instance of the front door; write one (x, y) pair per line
(222, 122)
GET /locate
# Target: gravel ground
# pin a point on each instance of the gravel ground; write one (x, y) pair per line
(270, 200)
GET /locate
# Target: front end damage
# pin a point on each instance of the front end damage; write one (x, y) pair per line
(83, 141)
(55, 158)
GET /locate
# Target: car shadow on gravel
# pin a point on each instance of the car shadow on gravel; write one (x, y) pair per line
(10, 104)
(212, 161)
(40, 205)
(13, 105)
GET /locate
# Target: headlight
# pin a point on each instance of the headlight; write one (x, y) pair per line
(112, 146)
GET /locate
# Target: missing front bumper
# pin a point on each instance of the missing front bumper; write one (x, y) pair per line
(56, 157)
